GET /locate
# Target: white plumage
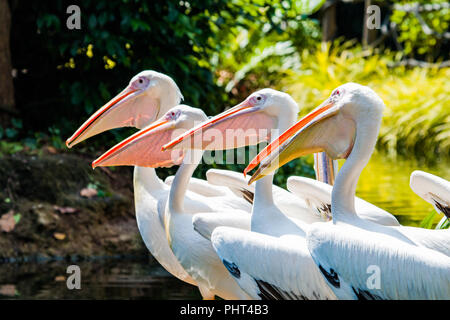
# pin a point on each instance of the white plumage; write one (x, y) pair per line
(413, 263)
(149, 96)
(433, 190)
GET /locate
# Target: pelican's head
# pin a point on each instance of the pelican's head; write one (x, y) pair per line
(245, 124)
(144, 147)
(272, 102)
(148, 95)
(351, 112)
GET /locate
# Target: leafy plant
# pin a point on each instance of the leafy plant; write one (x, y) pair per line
(428, 221)
(262, 43)
(445, 225)
(8, 148)
(412, 34)
(71, 73)
(417, 117)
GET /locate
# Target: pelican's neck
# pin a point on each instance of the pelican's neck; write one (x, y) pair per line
(325, 168)
(343, 194)
(263, 191)
(147, 177)
(263, 187)
(181, 180)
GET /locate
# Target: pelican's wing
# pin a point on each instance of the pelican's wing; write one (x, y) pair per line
(360, 264)
(432, 189)
(318, 196)
(202, 187)
(270, 268)
(205, 223)
(290, 204)
(234, 181)
(437, 240)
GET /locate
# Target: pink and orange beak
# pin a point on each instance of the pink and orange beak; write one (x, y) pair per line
(323, 129)
(284, 136)
(101, 120)
(133, 107)
(211, 134)
(143, 148)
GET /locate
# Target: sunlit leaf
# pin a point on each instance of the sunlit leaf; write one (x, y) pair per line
(427, 222)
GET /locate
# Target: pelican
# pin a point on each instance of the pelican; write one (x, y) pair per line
(148, 96)
(358, 258)
(253, 257)
(265, 110)
(433, 190)
(194, 253)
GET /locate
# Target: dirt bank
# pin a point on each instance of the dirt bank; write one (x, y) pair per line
(56, 205)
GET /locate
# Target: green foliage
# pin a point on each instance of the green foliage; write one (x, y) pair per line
(417, 117)
(13, 131)
(254, 51)
(446, 224)
(71, 73)
(427, 222)
(7, 148)
(74, 72)
(411, 34)
(100, 188)
(17, 217)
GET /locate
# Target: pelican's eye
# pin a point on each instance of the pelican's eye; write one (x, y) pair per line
(141, 83)
(173, 115)
(257, 99)
(336, 93)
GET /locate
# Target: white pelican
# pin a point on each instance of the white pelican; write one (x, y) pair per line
(433, 190)
(193, 252)
(148, 96)
(359, 258)
(253, 257)
(265, 109)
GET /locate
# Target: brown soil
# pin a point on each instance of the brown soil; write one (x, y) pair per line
(37, 187)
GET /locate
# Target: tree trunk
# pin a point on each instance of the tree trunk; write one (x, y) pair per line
(369, 35)
(329, 26)
(7, 104)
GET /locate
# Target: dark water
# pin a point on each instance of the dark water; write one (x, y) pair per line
(101, 279)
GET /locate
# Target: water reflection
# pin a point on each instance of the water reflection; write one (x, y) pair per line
(103, 279)
(385, 183)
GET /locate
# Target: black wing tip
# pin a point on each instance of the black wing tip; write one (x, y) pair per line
(332, 277)
(444, 209)
(269, 291)
(232, 268)
(248, 195)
